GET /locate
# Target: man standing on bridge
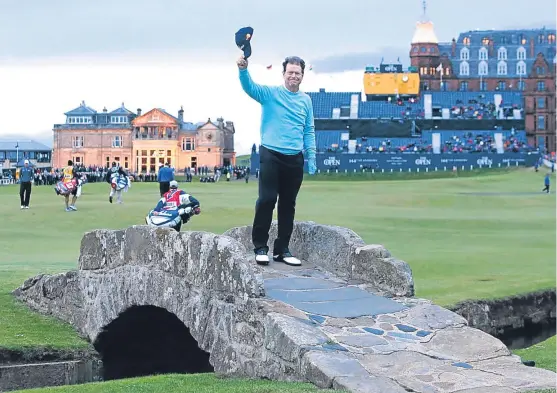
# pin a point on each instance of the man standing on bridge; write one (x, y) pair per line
(25, 177)
(287, 132)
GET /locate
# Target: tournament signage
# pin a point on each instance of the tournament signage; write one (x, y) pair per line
(390, 68)
(414, 161)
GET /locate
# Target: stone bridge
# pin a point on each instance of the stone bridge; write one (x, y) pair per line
(154, 300)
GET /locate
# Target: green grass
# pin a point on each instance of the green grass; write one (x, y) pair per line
(543, 354)
(459, 246)
(200, 383)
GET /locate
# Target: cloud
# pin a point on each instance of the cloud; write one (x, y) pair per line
(359, 61)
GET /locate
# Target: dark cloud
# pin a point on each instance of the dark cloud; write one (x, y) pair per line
(200, 29)
(359, 61)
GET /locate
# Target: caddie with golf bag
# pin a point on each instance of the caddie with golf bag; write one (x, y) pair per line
(174, 208)
(70, 184)
(118, 180)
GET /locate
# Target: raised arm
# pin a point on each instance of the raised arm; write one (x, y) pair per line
(259, 93)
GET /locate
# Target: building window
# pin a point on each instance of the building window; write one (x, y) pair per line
(540, 102)
(80, 120)
(521, 53)
(501, 85)
(502, 54)
(551, 38)
(522, 39)
(77, 142)
(521, 85)
(188, 144)
(464, 68)
(483, 54)
(117, 141)
(465, 54)
(118, 119)
(521, 68)
(502, 68)
(483, 85)
(541, 86)
(482, 68)
(466, 41)
(540, 70)
(541, 122)
(463, 86)
(485, 41)
(541, 39)
(126, 163)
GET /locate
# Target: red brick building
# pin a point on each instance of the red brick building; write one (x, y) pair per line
(494, 60)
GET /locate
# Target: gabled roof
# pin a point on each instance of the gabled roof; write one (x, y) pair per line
(166, 113)
(81, 110)
(24, 145)
(122, 111)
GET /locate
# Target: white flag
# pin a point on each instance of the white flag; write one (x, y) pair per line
(439, 67)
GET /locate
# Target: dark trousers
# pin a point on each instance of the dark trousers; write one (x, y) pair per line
(25, 192)
(164, 187)
(546, 188)
(280, 176)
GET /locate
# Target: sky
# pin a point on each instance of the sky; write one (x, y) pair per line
(172, 53)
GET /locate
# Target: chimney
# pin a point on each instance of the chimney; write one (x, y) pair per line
(104, 110)
(453, 48)
(138, 111)
(220, 122)
(181, 114)
(532, 47)
(490, 48)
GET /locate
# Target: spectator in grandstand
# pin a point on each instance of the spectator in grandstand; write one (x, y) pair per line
(287, 132)
(25, 177)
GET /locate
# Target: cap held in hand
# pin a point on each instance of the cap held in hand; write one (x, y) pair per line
(243, 38)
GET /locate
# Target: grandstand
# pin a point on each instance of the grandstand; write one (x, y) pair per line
(428, 105)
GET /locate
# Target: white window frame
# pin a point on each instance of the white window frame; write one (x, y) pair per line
(78, 141)
(464, 68)
(483, 66)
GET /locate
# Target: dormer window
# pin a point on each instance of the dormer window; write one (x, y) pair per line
(118, 119)
(485, 41)
(466, 41)
(551, 38)
(80, 120)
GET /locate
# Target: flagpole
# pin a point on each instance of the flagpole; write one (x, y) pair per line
(16, 153)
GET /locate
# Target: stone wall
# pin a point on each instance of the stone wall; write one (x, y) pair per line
(499, 316)
(342, 252)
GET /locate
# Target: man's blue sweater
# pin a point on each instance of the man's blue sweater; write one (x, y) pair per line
(287, 124)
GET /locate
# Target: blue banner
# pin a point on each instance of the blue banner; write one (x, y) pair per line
(413, 161)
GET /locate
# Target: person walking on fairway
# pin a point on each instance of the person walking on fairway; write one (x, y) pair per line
(546, 183)
(287, 133)
(25, 177)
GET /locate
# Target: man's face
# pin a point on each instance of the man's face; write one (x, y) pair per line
(293, 75)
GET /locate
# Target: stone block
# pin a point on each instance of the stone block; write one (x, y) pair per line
(367, 384)
(322, 368)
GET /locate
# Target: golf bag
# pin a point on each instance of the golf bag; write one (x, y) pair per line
(120, 182)
(171, 218)
(66, 188)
